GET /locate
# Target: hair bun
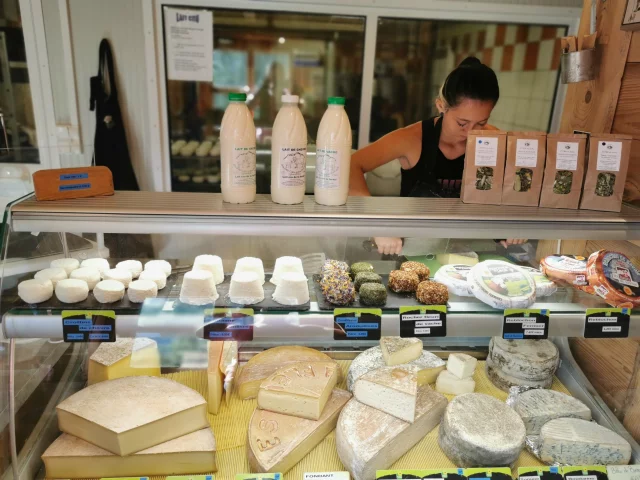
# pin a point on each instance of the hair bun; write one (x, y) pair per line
(470, 62)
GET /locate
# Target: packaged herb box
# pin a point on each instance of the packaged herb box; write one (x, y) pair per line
(606, 172)
(524, 170)
(564, 170)
(484, 167)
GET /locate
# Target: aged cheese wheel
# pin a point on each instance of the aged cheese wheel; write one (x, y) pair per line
(526, 359)
(502, 285)
(614, 278)
(569, 269)
(538, 406)
(504, 381)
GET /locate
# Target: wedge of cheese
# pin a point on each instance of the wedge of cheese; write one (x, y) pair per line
(277, 442)
(126, 357)
(71, 457)
(301, 389)
(392, 390)
(398, 350)
(265, 363)
(130, 414)
(215, 378)
(369, 439)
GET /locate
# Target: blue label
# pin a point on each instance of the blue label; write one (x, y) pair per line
(75, 336)
(75, 186)
(553, 469)
(95, 328)
(77, 322)
(356, 326)
(514, 336)
(220, 335)
(346, 319)
(239, 327)
(356, 334)
(98, 336)
(74, 176)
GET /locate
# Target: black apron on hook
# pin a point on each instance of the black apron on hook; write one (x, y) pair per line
(110, 144)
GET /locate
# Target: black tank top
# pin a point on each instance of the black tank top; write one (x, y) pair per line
(434, 175)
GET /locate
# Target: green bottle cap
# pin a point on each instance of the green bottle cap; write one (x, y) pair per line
(336, 101)
(238, 97)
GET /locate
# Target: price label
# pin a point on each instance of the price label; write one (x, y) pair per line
(125, 478)
(522, 324)
(607, 323)
(258, 476)
(327, 476)
(585, 472)
(88, 326)
(539, 473)
(483, 473)
(191, 477)
(427, 321)
(357, 323)
(228, 324)
(432, 473)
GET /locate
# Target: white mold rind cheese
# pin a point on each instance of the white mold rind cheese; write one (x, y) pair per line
(504, 381)
(502, 285)
(526, 359)
(478, 430)
(369, 440)
(573, 441)
(429, 366)
(538, 406)
(455, 278)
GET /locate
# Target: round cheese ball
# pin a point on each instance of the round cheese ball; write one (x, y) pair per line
(161, 265)
(53, 274)
(88, 274)
(35, 291)
(72, 290)
(139, 290)
(109, 291)
(101, 264)
(156, 276)
(69, 264)
(133, 266)
(122, 276)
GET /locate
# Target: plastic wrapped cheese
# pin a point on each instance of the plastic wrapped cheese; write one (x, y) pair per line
(502, 285)
(544, 285)
(455, 278)
(565, 269)
(614, 278)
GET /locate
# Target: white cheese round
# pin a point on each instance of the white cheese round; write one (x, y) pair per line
(455, 278)
(69, 264)
(161, 265)
(250, 264)
(35, 291)
(139, 290)
(122, 276)
(198, 288)
(526, 359)
(72, 290)
(88, 274)
(53, 274)
(109, 291)
(544, 285)
(502, 285)
(155, 276)
(101, 264)
(210, 263)
(133, 266)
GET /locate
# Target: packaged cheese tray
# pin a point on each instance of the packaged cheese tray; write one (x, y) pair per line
(568, 269)
(502, 285)
(614, 278)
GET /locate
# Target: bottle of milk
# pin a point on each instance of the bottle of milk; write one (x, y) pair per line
(288, 153)
(333, 155)
(238, 152)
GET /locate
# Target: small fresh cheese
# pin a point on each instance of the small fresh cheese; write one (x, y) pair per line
(478, 430)
(72, 457)
(69, 264)
(462, 365)
(122, 276)
(101, 264)
(140, 290)
(398, 350)
(502, 285)
(54, 274)
(505, 381)
(265, 363)
(162, 265)
(538, 406)
(526, 359)
(574, 441)
(155, 275)
(126, 357)
(301, 389)
(130, 414)
(133, 266)
(451, 384)
(429, 366)
(108, 291)
(392, 390)
(35, 290)
(215, 378)
(466, 258)
(368, 439)
(90, 275)
(276, 442)
(71, 290)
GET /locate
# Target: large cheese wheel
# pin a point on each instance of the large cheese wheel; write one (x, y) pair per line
(526, 359)
(614, 278)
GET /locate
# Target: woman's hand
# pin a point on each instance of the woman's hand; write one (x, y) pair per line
(389, 245)
(513, 241)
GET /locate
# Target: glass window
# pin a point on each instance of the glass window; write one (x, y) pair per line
(263, 54)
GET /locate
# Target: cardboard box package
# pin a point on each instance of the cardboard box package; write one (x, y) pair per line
(564, 171)
(484, 167)
(524, 168)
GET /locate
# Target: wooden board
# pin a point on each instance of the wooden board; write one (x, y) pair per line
(591, 106)
(632, 186)
(65, 183)
(568, 247)
(631, 408)
(634, 48)
(627, 119)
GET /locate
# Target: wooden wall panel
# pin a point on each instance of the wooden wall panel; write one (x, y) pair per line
(634, 48)
(627, 119)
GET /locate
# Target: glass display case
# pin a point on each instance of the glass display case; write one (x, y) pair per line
(284, 337)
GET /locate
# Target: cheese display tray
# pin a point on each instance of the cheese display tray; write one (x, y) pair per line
(231, 423)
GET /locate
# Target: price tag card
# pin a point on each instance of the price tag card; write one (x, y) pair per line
(258, 476)
(427, 321)
(521, 324)
(539, 473)
(327, 476)
(585, 472)
(89, 326)
(191, 477)
(607, 323)
(228, 324)
(494, 473)
(357, 323)
(434, 473)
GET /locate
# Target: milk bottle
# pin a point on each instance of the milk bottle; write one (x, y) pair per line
(333, 155)
(288, 153)
(238, 152)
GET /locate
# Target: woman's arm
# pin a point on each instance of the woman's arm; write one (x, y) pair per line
(404, 144)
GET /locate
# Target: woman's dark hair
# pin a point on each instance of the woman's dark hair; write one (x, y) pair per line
(471, 79)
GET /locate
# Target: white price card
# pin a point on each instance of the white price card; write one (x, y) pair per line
(486, 152)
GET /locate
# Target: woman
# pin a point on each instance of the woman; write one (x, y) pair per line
(431, 152)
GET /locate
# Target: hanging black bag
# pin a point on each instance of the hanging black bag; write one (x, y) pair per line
(110, 144)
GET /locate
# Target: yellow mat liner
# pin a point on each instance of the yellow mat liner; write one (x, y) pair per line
(231, 423)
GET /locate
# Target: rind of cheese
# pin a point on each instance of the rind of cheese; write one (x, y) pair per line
(429, 366)
(538, 406)
(215, 378)
(574, 441)
(392, 390)
(126, 357)
(277, 442)
(72, 457)
(461, 365)
(398, 350)
(369, 440)
(130, 414)
(301, 389)
(265, 363)
(526, 359)
(504, 381)
(478, 430)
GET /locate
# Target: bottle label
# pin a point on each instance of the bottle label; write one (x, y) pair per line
(327, 168)
(244, 167)
(293, 166)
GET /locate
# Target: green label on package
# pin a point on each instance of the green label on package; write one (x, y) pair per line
(495, 473)
(125, 478)
(435, 473)
(585, 472)
(539, 473)
(191, 477)
(424, 321)
(607, 323)
(525, 324)
(357, 323)
(258, 476)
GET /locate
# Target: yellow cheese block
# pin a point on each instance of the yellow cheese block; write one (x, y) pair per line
(215, 378)
(130, 414)
(469, 258)
(265, 363)
(277, 442)
(71, 457)
(126, 357)
(301, 389)
(398, 350)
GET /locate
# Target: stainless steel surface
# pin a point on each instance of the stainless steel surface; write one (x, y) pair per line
(156, 212)
(579, 66)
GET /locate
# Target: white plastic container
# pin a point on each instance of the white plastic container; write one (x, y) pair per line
(333, 155)
(238, 152)
(288, 153)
